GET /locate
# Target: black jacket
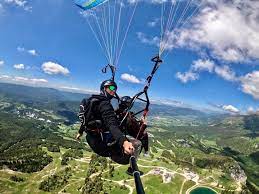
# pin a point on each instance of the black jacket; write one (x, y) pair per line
(102, 110)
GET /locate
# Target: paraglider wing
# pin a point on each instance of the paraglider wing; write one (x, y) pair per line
(89, 4)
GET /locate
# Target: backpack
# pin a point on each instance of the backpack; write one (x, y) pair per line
(85, 112)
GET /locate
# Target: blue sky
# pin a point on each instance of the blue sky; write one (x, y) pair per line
(211, 62)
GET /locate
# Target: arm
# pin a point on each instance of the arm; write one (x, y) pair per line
(110, 121)
(80, 132)
(81, 129)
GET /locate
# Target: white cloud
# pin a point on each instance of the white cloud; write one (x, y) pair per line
(203, 65)
(32, 52)
(4, 77)
(169, 102)
(23, 80)
(87, 14)
(207, 65)
(54, 68)
(196, 67)
(76, 89)
(187, 76)
(158, 1)
(20, 49)
(40, 82)
(1, 63)
(230, 29)
(250, 84)
(30, 81)
(19, 66)
(153, 23)
(226, 73)
(35, 80)
(144, 39)
(19, 3)
(250, 110)
(130, 78)
(230, 108)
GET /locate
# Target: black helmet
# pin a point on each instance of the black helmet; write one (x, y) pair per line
(107, 83)
(125, 102)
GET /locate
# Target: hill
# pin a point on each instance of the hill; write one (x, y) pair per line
(188, 149)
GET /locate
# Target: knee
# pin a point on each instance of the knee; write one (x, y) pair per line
(124, 160)
(98, 146)
(137, 143)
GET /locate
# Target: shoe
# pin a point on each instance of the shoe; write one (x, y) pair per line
(146, 154)
(130, 172)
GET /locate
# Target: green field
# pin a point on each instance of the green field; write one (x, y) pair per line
(41, 157)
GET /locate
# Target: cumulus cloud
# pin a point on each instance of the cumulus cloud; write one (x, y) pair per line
(130, 78)
(229, 29)
(32, 52)
(196, 67)
(1, 63)
(147, 40)
(54, 68)
(19, 3)
(230, 108)
(207, 65)
(226, 73)
(250, 84)
(203, 65)
(187, 76)
(19, 66)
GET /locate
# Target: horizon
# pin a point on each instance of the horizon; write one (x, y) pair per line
(163, 102)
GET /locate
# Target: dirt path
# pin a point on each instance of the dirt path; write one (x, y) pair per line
(181, 191)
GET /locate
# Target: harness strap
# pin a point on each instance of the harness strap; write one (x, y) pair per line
(143, 126)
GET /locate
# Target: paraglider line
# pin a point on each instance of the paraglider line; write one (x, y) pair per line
(117, 60)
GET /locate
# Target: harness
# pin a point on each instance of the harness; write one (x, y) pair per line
(92, 125)
(144, 93)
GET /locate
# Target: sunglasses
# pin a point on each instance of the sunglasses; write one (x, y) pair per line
(112, 88)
